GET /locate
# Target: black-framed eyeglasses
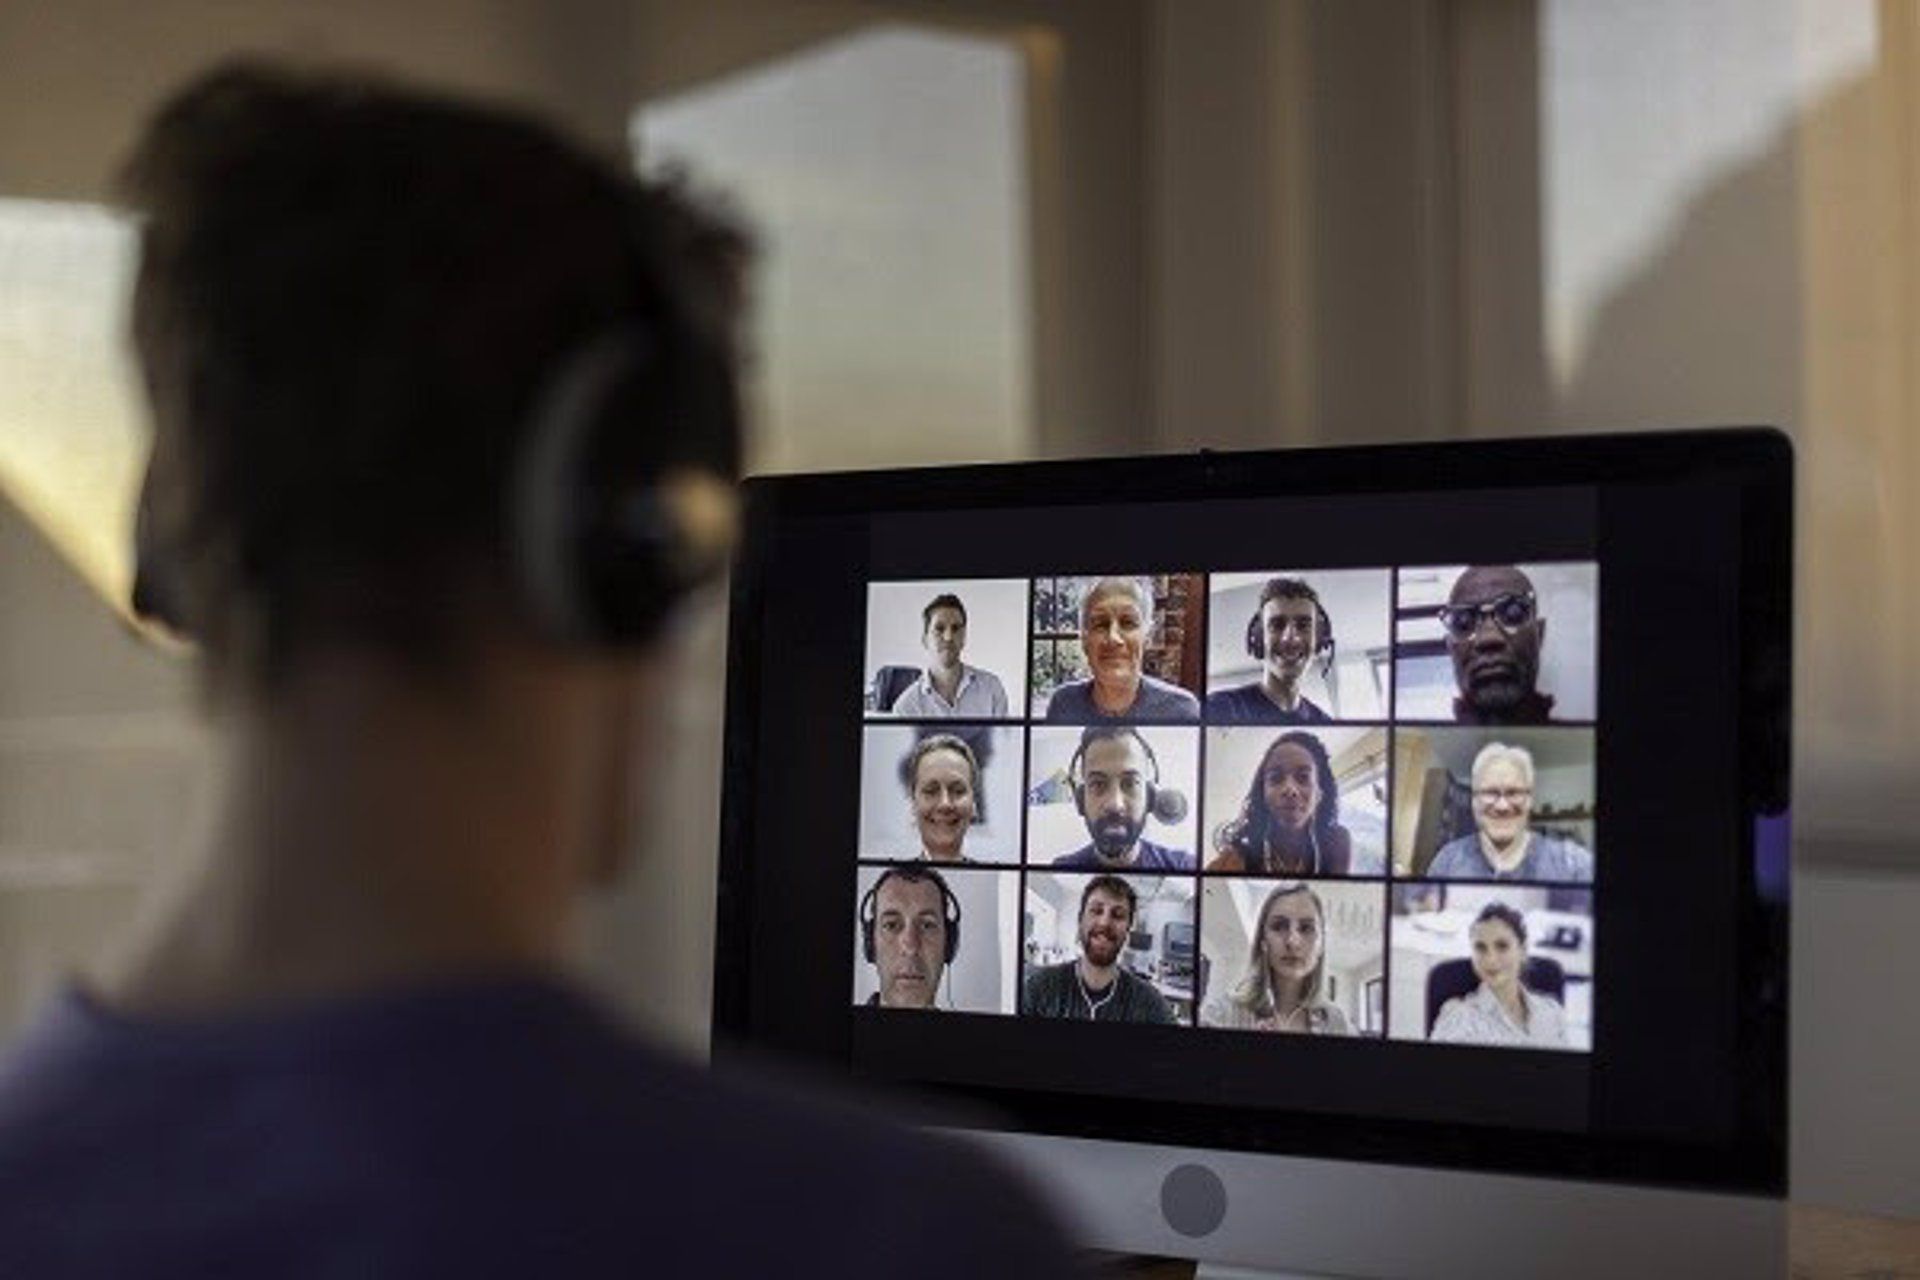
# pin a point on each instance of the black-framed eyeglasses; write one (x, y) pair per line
(1509, 612)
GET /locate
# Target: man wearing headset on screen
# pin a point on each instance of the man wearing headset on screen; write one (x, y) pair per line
(1097, 987)
(910, 934)
(444, 427)
(1494, 635)
(1289, 632)
(1115, 781)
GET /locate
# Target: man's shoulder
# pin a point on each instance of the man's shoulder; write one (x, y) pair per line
(1161, 857)
(1071, 701)
(1047, 989)
(557, 1138)
(1140, 994)
(1160, 697)
(1085, 857)
(1234, 702)
(1456, 857)
(1563, 855)
(919, 698)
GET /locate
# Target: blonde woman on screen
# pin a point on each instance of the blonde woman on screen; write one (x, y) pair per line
(1286, 972)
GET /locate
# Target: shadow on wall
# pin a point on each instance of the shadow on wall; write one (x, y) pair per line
(1780, 296)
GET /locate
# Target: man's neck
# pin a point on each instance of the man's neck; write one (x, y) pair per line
(1096, 977)
(1509, 857)
(369, 837)
(946, 679)
(1127, 859)
(1113, 700)
(1280, 693)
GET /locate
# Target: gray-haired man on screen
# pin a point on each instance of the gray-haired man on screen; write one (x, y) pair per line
(444, 423)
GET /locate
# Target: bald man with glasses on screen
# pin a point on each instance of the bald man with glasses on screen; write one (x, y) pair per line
(1494, 634)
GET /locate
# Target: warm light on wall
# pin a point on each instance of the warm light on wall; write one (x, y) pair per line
(72, 427)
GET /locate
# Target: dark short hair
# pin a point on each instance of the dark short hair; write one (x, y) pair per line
(350, 297)
(1114, 733)
(945, 600)
(1505, 915)
(1288, 589)
(1116, 887)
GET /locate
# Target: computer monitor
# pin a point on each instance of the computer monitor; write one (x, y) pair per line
(1352, 862)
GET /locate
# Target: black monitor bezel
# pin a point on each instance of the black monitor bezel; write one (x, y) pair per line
(1757, 462)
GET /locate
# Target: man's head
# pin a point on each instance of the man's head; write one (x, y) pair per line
(943, 629)
(1108, 906)
(356, 308)
(1502, 792)
(907, 935)
(1114, 776)
(1116, 618)
(1288, 630)
(1494, 632)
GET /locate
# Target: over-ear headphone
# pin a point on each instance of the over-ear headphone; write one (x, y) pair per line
(623, 502)
(1076, 777)
(1322, 630)
(870, 907)
(621, 498)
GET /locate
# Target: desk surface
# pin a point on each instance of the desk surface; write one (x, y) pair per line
(1822, 1244)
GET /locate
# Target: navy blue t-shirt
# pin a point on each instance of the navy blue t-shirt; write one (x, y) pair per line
(504, 1129)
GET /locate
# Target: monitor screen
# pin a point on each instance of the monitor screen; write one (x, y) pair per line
(1418, 804)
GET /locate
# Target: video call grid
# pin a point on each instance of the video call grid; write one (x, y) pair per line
(1199, 876)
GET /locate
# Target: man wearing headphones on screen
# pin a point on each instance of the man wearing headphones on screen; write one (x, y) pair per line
(1289, 632)
(1116, 786)
(910, 934)
(445, 425)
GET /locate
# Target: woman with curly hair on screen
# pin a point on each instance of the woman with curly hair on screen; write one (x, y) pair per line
(1289, 822)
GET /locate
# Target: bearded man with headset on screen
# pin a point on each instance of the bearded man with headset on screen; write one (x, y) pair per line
(445, 425)
(1115, 780)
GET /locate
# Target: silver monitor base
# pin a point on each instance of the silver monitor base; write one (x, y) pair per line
(1296, 1217)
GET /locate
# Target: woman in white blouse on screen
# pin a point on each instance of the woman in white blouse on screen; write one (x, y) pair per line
(1502, 1009)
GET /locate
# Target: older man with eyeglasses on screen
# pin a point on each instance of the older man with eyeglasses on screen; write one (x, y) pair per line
(1503, 844)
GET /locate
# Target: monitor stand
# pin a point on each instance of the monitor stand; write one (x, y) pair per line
(1307, 1219)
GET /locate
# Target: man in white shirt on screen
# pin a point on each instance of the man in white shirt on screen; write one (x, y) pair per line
(949, 687)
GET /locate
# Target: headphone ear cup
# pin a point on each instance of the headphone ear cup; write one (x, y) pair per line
(953, 934)
(868, 906)
(1256, 643)
(621, 500)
